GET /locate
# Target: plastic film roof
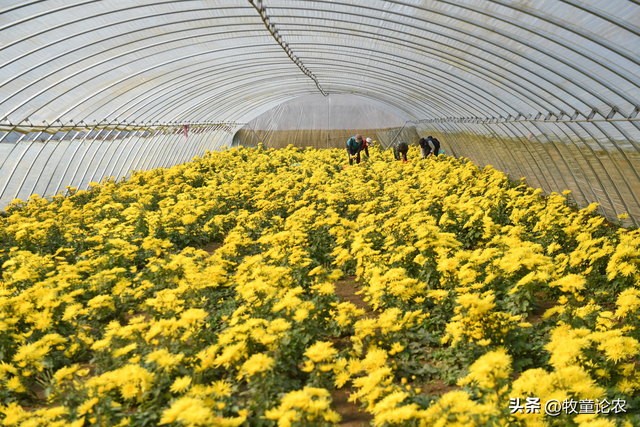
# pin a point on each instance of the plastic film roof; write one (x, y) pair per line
(148, 61)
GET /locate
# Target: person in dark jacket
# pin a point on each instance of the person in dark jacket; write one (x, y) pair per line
(400, 149)
(429, 146)
(354, 146)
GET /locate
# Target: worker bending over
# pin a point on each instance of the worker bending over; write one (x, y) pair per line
(429, 146)
(355, 145)
(401, 149)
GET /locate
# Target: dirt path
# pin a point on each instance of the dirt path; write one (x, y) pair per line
(211, 247)
(346, 290)
(352, 415)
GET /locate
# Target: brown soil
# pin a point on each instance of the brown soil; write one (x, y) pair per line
(211, 247)
(351, 414)
(437, 387)
(346, 290)
(543, 305)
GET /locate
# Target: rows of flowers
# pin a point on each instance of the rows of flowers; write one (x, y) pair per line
(110, 315)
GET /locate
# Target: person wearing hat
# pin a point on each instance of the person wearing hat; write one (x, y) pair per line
(355, 144)
(365, 146)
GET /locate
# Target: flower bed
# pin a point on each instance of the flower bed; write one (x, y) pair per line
(109, 315)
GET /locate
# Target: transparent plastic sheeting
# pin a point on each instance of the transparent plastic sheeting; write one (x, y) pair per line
(509, 66)
(45, 164)
(202, 60)
(321, 122)
(592, 159)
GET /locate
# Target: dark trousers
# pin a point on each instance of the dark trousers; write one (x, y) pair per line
(352, 153)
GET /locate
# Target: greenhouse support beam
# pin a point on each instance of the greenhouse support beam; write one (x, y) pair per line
(524, 120)
(262, 10)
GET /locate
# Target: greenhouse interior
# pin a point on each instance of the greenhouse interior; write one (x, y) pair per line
(320, 212)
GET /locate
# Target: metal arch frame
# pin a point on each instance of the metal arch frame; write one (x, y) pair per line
(94, 155)
(15, 7)
(80, 162)
(156, 133)
(169, 156)
(499, 144)
(142, 148)
(168, 41)
(612, 140)
(158, 90)
(453, 76)
(183, 85)
(33, 189)
(408, 65)
(274, 31)
(522, 138)
(204, 73)
(563, 25)
(241, 103)
(182, 152)
(606, 172)
(595, 174)
(188, 93)
(477, 11)
(15, 166)
(391, 12)
(115, 164)
(479, 155)
(556, 40)
(538, 32)
(477, 67)
(158, 136)
(61, 157)
(148, 157)
(337, 65)
(581, 125)
(205, 89)
(84, 18)
(94, 65)
(562, 157)
(499, 141)
(533, 153)
(488, 41)
(118, 81)
(506, 59)
(174, 84)
(488, 129)
(603, 15)
(236, 90)
(419, 73)
(535, 161)
(98, 41)
(150, 68)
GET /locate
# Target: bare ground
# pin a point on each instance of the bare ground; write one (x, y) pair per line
(352, 415)
(346, 290)
(350, 412)
(543, 305)
(437, 387)
(212, 247)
